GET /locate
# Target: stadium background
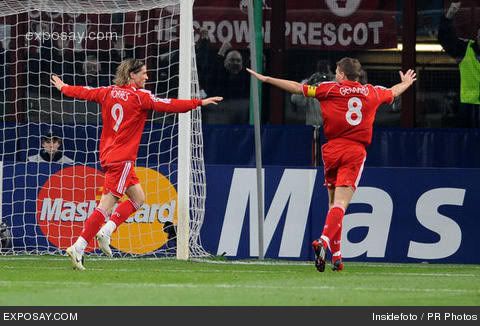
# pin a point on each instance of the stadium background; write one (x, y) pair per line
(421, 138)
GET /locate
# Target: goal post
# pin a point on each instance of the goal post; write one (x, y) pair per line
(45, 204)
(184, 128)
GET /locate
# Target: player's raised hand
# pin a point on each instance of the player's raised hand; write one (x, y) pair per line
(255, 74)
(212, 100)
(410, 76)
(57, 82)
(452, 10)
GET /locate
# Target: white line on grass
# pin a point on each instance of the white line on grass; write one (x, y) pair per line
(122, 285)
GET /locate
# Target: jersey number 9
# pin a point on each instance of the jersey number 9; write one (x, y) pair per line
(117, 115)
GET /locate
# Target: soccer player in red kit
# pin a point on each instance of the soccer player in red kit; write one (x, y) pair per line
(125, 106)
(348, 109)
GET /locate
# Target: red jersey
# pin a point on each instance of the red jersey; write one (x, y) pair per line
(124, 111)
(349, 108)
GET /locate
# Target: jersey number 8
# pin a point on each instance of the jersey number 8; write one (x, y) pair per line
(354, 106)
(117, 115)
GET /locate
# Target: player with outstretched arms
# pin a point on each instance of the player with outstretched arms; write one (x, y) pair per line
(348, 109)
(125, 107)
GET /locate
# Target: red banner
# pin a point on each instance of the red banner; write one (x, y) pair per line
(319, 24)
(316, 24)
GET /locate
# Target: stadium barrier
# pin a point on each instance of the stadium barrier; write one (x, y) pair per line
(281, 145)
(292, 146)
(397, 214)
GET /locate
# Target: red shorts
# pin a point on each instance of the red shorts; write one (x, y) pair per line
(118, 177)
(343, 163)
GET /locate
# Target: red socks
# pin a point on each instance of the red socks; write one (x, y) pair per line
(335, 245)
(123, 211)
(93, 224)
(333, 226)
(97, 218)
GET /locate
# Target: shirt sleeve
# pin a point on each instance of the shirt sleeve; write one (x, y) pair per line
(149, 101)
(385, 95)
(448, 39)
(318, 91)
(85, 92)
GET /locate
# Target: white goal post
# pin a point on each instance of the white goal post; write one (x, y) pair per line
(46, 203)
(184, 122)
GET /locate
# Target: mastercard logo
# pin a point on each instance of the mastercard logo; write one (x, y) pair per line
(143, 231)
(69, 196)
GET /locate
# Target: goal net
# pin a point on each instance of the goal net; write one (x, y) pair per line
(46, 198)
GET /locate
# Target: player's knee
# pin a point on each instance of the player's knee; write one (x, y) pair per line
(139, 200)
(342, 204)
(105, 209)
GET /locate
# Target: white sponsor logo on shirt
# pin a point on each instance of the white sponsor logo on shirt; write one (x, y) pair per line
(163, 100)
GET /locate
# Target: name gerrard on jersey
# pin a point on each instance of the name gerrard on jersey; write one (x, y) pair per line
(346, 90)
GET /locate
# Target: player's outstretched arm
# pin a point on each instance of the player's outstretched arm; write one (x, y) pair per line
(212, 100)
(57, 82)
(408, 79)
(78, 92)
(174, 105)
(287, 85)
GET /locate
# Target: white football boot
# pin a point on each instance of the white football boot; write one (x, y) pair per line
(76, 258)
(103, 241)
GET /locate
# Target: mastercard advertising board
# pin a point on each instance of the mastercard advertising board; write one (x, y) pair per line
(69, 196)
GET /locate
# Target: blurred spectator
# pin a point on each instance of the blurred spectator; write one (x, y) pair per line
(467, 54)
(93, 74)
(63, 59)
(449, 107)
(309, 105)
(232, 82)
(118, 53)
(46, 65)
(166, 74)
(363, 77)
(91, 68)
(50, 152)
(244, 6)
(206, 60)
(5, 238)
(323, 66)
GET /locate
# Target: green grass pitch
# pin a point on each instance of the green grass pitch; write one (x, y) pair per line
(50, 281)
